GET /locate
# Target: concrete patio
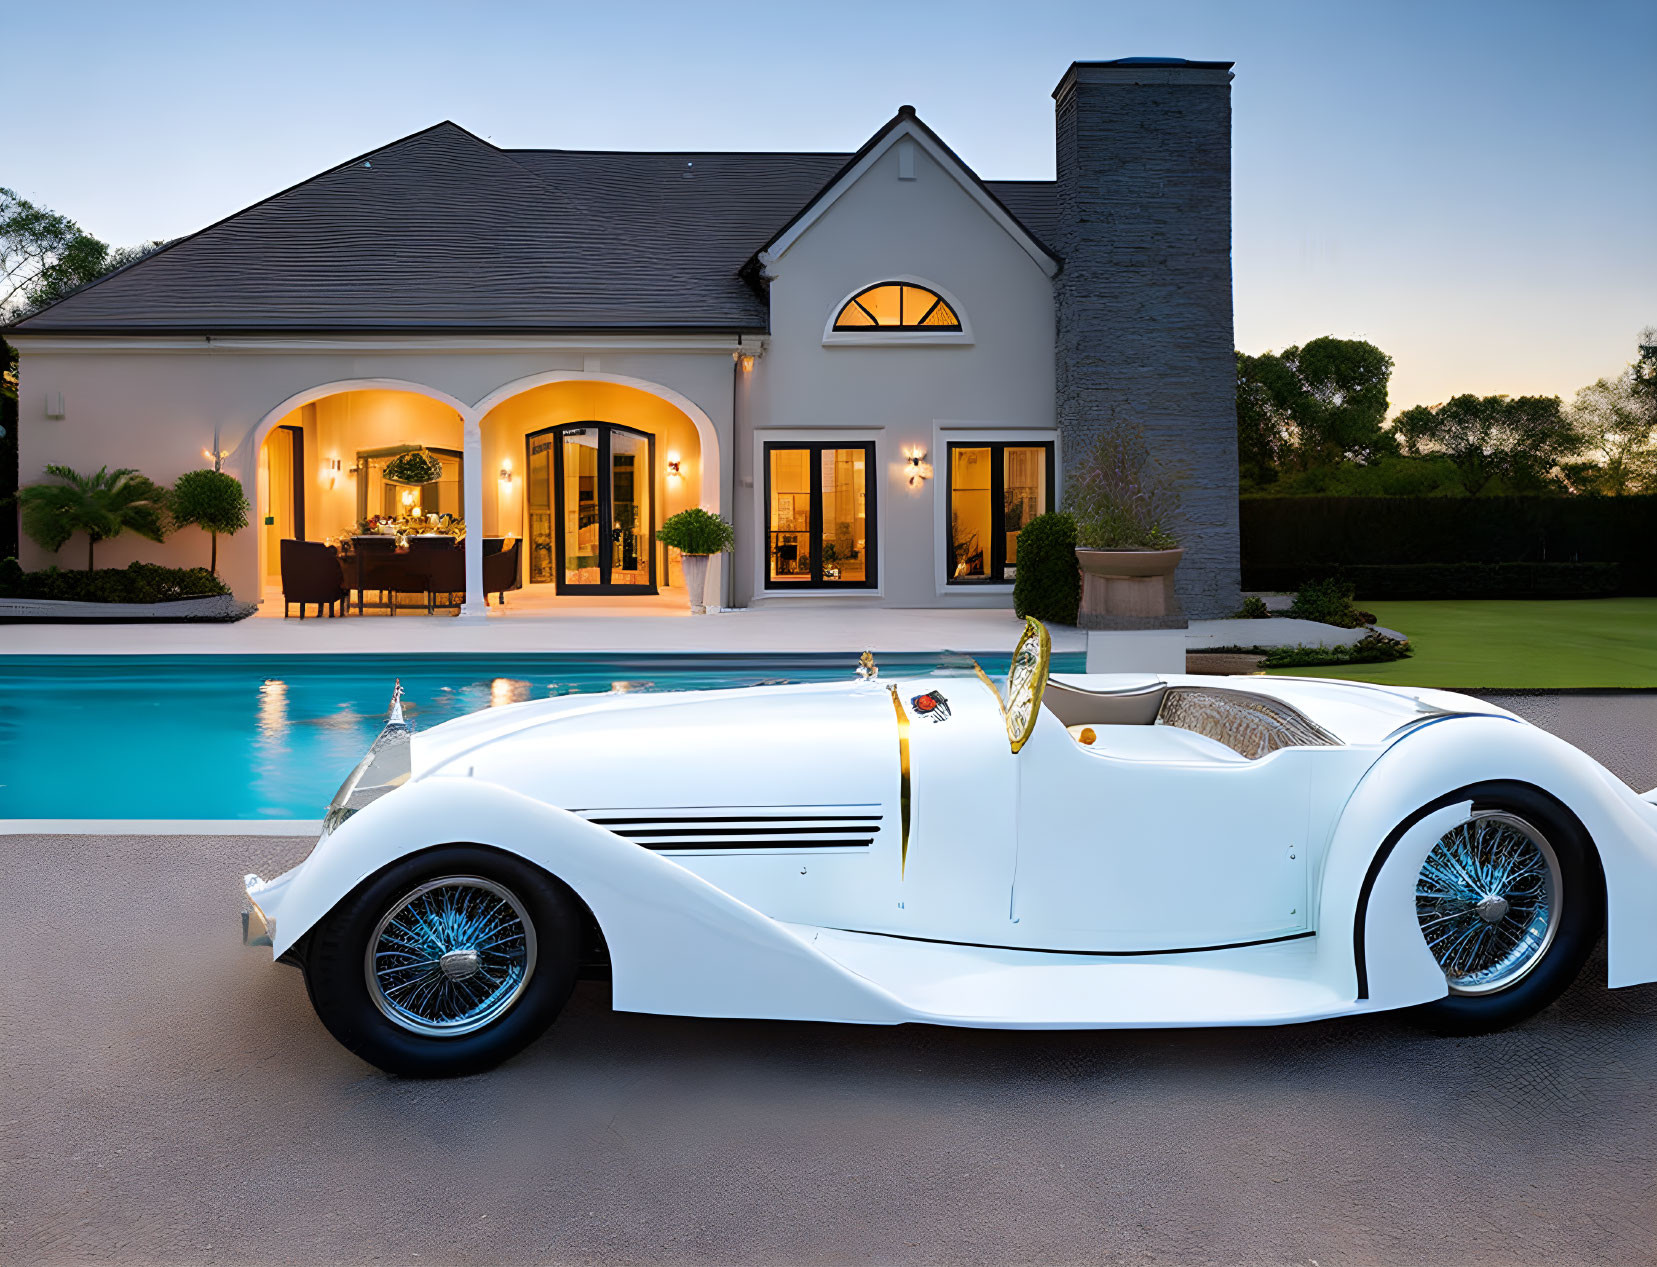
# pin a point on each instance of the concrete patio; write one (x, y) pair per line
(534, 620)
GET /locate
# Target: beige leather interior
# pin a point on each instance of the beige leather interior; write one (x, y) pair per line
(1075, 707)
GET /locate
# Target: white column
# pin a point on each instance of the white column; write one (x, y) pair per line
(472, 480)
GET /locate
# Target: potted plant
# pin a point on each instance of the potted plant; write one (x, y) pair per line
(697, 535)
(1122, 506)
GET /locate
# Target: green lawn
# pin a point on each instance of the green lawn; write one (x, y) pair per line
(1499, 643)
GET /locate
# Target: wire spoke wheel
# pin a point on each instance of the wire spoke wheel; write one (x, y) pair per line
(1489, 900)
(451, 956)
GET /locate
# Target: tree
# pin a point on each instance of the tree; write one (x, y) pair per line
(102, 506)
(84, 260)
(1267, 435)
(1515, 444)
(1642, 375)
(32, 239)
(1311, 406)
(1345, 410)
(211, 500)
(1617, 432)
(44, 255)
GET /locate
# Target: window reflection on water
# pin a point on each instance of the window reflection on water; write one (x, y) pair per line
(273, 708)
(505, 690)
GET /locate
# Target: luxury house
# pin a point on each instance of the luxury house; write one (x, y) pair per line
(875, 364)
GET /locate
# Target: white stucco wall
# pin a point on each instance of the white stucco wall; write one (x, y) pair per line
(157, 408)
(157, 404)
(928, 229)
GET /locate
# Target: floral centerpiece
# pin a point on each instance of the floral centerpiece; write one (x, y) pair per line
(404, 526)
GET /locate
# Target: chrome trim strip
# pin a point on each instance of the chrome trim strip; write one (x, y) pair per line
(903, 780)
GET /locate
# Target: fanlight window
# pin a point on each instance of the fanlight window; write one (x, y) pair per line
(897, 306)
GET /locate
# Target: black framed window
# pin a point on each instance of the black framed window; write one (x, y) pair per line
(995, 488)
(820, 516)
(897, 306)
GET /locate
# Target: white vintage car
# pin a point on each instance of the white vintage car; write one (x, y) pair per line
(1090, 851)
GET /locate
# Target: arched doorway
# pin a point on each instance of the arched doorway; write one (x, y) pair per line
(589, 469)
(320, 468)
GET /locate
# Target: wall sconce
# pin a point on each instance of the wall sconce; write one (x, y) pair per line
(745, 361)
(506, 473)
(917, 469)
(216, 457)
(675, 467)
(330, 470)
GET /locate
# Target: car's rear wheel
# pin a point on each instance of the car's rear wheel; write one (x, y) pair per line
(445, 963)
(1510, 902)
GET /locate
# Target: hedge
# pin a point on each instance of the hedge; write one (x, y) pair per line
(1453, 547)
(1373, 581)
(135, 583)
(1048, 584)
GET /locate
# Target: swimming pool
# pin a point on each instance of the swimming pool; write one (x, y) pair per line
(271, 737)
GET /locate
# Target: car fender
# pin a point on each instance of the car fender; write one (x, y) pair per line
(1410, 797)
(677, 944)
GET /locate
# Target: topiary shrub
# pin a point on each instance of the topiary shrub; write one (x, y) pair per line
(1048, 584)
(697, 531)
(1329, 602)
(213, 501)
(1254, 608)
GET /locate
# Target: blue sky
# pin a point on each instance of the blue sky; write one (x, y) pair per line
(1473, 186)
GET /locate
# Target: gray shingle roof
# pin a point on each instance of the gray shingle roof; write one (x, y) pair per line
(443, 231)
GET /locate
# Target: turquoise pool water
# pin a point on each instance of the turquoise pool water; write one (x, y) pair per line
(272, 737)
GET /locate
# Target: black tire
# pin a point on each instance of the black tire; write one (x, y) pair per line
(337, 981)
(1579, 923)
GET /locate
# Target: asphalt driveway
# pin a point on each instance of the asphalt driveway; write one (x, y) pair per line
(169, 1097)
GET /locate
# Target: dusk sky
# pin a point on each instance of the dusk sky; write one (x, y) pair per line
(1472, 186)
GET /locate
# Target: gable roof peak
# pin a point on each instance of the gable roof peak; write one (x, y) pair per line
(905, 124)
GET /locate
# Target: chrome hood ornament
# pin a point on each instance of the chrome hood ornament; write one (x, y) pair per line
(386, 767)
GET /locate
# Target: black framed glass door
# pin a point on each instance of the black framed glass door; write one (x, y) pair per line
(592, 508)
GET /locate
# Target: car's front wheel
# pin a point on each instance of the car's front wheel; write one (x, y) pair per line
(1510, 902)
(445, 963)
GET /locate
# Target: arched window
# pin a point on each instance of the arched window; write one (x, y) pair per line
(896, 306)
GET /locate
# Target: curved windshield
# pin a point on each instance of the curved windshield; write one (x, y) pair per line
(1020, 693)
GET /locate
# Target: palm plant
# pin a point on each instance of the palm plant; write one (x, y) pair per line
(102, 506)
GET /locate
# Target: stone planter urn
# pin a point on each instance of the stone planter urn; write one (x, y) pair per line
(1129, 589)
(696, 581)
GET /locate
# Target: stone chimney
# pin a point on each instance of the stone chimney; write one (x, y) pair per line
(1144, 299)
